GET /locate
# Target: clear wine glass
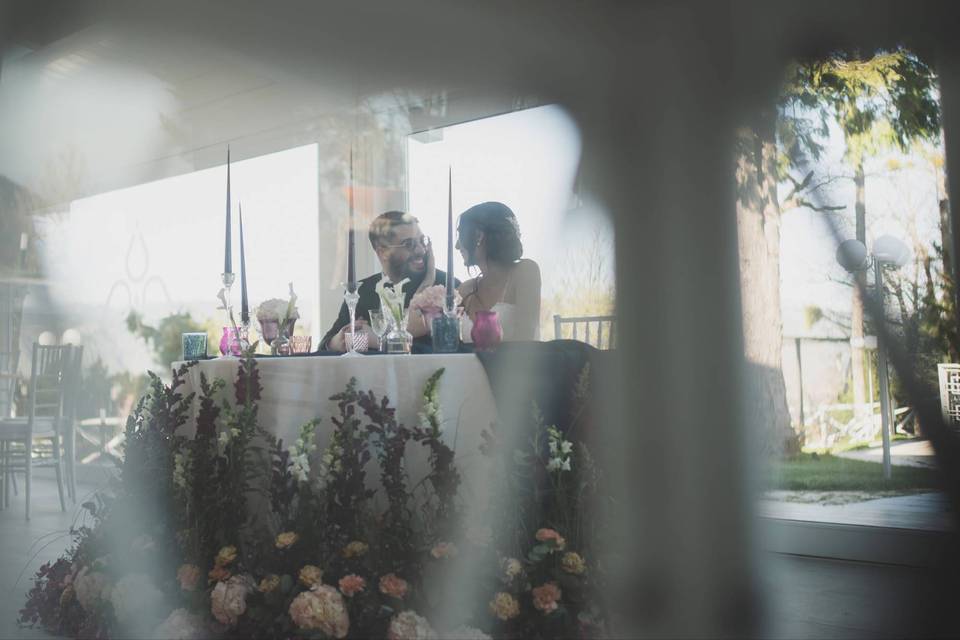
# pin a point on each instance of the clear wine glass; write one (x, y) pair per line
(380, 324)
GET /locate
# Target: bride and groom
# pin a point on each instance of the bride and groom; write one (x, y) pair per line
(488, 239)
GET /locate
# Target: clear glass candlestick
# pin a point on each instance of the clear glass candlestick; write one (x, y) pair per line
(351, 299)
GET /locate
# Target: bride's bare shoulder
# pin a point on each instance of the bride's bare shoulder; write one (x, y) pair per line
(467, 286)
(527, 269)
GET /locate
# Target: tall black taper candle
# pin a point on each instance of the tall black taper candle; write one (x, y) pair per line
(227, 257)
(351, 250)
(244, 307)
(450, 239)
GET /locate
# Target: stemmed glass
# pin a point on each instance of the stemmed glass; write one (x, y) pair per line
(380, 323)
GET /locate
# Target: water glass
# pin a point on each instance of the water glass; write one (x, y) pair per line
(300, 344)
(380, 323)
(194, 345)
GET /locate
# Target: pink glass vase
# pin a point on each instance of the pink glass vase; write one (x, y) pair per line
(487, 332)
(230, 342)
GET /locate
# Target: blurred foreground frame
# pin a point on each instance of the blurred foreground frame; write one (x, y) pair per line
(657, 90)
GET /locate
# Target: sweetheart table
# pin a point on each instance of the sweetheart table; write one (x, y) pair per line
(297, 389)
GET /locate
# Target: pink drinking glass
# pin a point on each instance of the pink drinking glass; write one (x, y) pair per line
(487, 332)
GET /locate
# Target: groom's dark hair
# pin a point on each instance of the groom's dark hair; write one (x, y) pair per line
(381, 228)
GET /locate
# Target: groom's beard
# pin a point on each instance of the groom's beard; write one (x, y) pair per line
(410, 267)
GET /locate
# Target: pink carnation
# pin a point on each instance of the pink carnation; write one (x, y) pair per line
(393, 586)
(321, 608)
(351, 584)
(545, 597)
(410, 626)
(545, 535)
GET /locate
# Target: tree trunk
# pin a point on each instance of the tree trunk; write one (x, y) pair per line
(857, 360)
(758, 229)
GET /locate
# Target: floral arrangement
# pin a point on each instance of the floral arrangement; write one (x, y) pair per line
(392, 300)
(231, 534)
(433, 299)
(279, 309)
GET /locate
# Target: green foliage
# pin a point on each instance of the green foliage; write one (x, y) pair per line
(888, 99)
(164, 339)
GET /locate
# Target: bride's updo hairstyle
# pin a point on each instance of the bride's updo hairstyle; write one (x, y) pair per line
(501, 232)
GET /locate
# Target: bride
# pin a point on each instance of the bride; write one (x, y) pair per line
(489, 238)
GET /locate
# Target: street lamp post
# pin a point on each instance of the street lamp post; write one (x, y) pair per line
(852, 256)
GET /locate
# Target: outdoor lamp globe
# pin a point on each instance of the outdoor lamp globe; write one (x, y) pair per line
(891, 251)
(852, 255)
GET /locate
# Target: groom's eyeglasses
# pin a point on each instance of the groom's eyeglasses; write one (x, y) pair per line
(411, 244)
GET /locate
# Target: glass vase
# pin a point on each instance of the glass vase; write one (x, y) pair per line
(398, 339)
(445, 333)
(230, 341)
(487, 332)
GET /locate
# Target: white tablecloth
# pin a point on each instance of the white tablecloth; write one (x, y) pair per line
(298, 389)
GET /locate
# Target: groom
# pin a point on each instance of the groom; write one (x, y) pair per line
(403, 252)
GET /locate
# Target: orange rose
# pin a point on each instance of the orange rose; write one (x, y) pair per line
(393, 586)
(219, 574)
(545, 597)
(352, 584)
(546, 535)
(310, 575)
(188, 575)
(444, 550)
(504, 606)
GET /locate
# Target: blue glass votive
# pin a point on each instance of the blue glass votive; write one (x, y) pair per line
(445, 332)
(194, 346)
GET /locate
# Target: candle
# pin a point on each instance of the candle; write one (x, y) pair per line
(450, 239)
(23, 251)
(244, 307)
(227, 257)
(351, 250)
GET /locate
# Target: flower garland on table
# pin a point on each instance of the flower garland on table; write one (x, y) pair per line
(173, 551)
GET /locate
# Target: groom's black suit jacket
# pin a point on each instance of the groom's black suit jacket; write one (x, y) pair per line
(370, 300)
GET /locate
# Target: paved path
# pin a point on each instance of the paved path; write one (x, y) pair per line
(926, 511)
(906, 453)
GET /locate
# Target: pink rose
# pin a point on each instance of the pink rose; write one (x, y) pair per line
(352, 584)
(321, 608)
(545, 597)
(393, 586)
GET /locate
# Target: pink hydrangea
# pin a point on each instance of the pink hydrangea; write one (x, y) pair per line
(409, 626)
(321, 608)
(182, 625)
(228, 601)
(91, 587)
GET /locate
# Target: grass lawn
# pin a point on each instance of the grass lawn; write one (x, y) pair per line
(823, 472)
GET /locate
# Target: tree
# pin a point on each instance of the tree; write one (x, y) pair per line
(884, 101)
(758, 230)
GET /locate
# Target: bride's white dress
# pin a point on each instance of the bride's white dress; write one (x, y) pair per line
(506, 313)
